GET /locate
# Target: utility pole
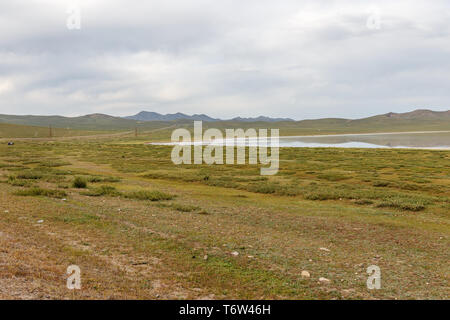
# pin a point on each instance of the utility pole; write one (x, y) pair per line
(50, 131)
(135, 132)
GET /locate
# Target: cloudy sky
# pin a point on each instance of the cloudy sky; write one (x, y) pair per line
(298, 59)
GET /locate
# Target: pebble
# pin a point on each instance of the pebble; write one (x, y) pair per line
(305, 274)
(324, 280)
(235, 253)
(40, 221)
(325, 249)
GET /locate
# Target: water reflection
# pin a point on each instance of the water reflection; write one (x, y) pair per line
(420, 140)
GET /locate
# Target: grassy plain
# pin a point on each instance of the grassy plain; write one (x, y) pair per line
(19, 131)
(141, 227)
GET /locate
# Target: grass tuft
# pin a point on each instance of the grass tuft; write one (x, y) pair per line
(149, 195)
(36, 191)
(79, 183)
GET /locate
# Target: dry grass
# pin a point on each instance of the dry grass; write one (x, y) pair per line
(367, 207)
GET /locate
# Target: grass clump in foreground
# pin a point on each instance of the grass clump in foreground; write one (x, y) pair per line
(149, 195)
(95, 179)
(152, 195)
(18, 182)
(29, 175)
(79, 183)
(184, 208)
(102, 191)
(37, 191)
(403, 204)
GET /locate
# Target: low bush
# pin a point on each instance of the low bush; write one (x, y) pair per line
(79, 183)
(149, 195)
(102, 191)
(36, 191)
(402, 204)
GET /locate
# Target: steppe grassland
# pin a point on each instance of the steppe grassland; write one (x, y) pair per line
(141, 227)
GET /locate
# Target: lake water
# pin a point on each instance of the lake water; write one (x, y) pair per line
(418, 140)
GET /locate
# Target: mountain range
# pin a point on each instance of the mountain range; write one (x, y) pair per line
(154, 116)
(417, 120)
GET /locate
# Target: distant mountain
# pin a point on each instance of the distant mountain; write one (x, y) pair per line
(420, 114)
(154, 116)
(417, 120)
(261, 118)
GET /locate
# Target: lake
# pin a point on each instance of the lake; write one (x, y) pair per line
(417, 140)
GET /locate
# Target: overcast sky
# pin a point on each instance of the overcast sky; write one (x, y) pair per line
(298, 59)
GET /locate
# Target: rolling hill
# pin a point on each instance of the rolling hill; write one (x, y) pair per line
(20, 131)
(418, 120)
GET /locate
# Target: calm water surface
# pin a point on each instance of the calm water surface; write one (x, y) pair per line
(420, 140)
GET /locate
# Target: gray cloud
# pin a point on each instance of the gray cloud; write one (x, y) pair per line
(301, 59)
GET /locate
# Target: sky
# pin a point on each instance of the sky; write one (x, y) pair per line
(296, 59)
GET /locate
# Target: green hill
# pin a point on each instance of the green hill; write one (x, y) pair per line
(20, 131)
(418, 120)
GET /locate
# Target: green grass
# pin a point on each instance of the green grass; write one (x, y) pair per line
(8, 130)
(148, 195)
(403, 204)
(36, 191)
(102, 191)
(384, 207)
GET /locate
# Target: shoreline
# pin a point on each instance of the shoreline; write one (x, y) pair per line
(365, 134)
(345, 135)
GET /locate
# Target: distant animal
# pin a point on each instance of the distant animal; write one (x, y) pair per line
(10, 143)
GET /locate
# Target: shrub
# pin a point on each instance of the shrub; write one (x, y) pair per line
(266, 188)
(363, 201)
(94, 179)
(332, 176)
(102, 191)
(185, 208)
(79, 183)
(381, 183)
(19, 183)
(402, 203)
(149, 195)
(29, 175)
(36, 191)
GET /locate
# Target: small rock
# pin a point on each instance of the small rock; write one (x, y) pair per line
(6, 211)
(324, 280)
(119, 209)
(325, 249)
(40, 221)
(205, 257)
(305, 274)
(63, 199)
(348, 291)
(250, 257)
(235, 253)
